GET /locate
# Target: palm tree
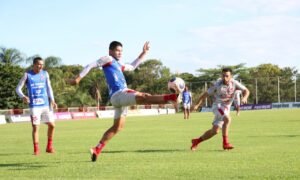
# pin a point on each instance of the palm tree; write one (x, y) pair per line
(11, 56)
(49, 62)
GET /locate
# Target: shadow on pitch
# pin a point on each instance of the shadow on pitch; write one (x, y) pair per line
(149, 151)
(22, 166)
(280, 135)
(12, 154)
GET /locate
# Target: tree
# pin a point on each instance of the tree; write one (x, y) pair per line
(287, 84)
(94, 84)
(49, 62)
(9, 78)
(267, 79)
(52, 62)
(11, 56)
(151, 76)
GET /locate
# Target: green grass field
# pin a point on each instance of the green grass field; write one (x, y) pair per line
(267, 146)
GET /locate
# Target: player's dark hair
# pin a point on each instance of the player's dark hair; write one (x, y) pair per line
(36, 59)
(114, 44)
(227, 70)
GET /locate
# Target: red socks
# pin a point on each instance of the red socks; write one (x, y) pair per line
(36, 146)
(36, 149)
(225, 140)
(170, 97)
(49, 144)
(99, 147)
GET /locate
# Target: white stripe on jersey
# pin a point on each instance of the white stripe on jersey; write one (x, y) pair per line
(20, 86)
(99, 63)
(132, 66)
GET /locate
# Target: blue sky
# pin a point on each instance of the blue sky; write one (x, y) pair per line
(185, 34)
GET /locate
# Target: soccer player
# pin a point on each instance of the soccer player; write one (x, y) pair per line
(186, 102)
(237, 101)
(39, 94)
(120, 95)
(223, 91)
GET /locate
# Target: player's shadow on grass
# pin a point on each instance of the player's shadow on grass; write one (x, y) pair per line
(280, 135)
(148, 151)
(12, 154)
(22, 166)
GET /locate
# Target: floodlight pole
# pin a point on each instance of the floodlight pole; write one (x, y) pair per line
(205, 89)
(295, 88)
(278, 89)
(256, 100)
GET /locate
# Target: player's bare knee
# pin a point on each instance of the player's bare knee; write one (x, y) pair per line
(35, 128)
(215, 130)
(51, 125)
(226, 119)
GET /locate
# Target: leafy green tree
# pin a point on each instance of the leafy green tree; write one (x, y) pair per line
(266, 76)
(11, 56)
(52, 62)
(151, 77)
(287, 84)
(9, 78)
(94, 84)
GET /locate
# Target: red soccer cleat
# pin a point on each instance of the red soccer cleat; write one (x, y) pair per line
(195, 143)
(227, 146)
(50, 150)
(94, 154)
(36, 152)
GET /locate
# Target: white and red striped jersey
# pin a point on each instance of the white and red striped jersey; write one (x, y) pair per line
(224, 94)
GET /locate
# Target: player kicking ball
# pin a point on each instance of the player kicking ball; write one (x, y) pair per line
(223, 91)
(120, 96)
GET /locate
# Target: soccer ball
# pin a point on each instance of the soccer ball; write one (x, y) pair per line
(176, 85)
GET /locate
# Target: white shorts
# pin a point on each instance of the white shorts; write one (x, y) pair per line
(120, 100)
(39, 114)
(237, 101)
(186, 105)
(219, 113)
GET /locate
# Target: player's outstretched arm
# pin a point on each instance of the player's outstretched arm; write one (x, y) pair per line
(74, 81)
(246, 94)
(138, 60)
(146, 48)
(200, 101)
(103, 60)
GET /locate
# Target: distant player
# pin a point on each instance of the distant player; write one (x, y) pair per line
(120, 95)
(39, 94)
(223, 91)
(186, 102)
(237, 101)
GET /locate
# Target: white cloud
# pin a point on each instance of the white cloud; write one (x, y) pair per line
(260, 6)
(268, 39)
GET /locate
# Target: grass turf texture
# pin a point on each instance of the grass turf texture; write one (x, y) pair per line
(267, 146)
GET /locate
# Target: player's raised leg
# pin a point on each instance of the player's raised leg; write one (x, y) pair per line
(144, 98)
